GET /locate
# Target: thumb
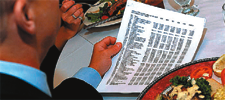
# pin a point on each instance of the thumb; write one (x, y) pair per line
(113, 50)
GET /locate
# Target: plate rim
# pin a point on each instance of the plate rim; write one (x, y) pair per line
(142, 94)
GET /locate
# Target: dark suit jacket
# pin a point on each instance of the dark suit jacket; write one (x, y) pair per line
(14, 88)
(72, 88)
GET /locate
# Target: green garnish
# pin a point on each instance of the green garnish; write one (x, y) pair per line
(201, 82)
(204, 87)
(177, 80)
(95, 17)
(113, 1)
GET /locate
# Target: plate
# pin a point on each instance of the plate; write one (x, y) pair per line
(93, 9)
(162, 82)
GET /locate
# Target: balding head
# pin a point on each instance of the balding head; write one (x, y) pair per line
(28, 29)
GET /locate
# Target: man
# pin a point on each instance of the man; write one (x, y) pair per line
(28, 28)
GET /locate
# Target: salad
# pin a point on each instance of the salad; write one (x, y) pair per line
(199, 86)
(110, 8)
(184, 88)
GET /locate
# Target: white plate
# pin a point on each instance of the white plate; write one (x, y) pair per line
(93, 9)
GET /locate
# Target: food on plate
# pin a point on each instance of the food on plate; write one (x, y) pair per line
(215, 85)
(203, 71)
(219, 65)
(110, 8)
(185, 88)
(151, 2)
(199, 86)
(220, 94)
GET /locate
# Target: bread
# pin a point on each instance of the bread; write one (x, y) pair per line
(214, 85)
(217, 71)
(220, 94)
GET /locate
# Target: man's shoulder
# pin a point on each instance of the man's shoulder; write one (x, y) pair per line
(15, 88)
(76, 88)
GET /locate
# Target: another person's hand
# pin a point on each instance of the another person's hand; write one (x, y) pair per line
(71, 15)
(69, 10)
(102, 54)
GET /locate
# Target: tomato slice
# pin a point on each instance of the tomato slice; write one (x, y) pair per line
(122, 8)
(104, 17)
(203, 71)
(223, 77)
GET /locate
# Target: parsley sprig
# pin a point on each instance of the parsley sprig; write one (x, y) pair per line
(201, 82)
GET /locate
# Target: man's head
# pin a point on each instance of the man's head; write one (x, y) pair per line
(28, 26)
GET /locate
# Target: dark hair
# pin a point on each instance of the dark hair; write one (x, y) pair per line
(6, 7)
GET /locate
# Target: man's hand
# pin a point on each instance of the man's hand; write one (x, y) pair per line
(69, 10)
(71, 25)
(102, 54)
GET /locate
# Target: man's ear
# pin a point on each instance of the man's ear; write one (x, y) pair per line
(24, 17)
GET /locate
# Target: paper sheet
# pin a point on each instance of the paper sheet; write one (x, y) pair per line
(154, 41)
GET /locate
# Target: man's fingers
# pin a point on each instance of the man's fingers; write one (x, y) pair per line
(113, 50)
(78, 12)
(70, 19)
(64, 1)
(78, 20)
(107, 41)
(67, 5)
(108, 45)
(82, 16)
(74, 9)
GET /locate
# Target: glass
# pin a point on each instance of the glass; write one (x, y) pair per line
(223, 7)
(185, 7)
(183, 2)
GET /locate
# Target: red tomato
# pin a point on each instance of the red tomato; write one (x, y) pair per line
(109, 4)
(122, 8)
(223, 76)
(104, 17)
(200, 71)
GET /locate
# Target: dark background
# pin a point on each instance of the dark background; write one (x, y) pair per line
(85, 7)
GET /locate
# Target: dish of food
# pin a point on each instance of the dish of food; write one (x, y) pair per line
(186, 88)
(107, 9)
(196, 76)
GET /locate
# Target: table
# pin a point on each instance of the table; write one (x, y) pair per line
(77, 52)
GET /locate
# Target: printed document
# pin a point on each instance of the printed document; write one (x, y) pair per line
(154, 41)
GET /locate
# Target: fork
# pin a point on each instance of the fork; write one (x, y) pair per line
(83, 3)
